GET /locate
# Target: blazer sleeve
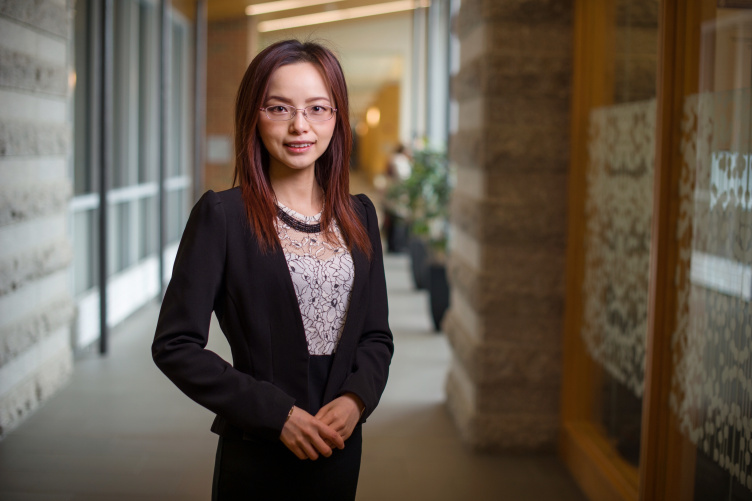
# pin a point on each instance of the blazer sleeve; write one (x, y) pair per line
(375, 348)
(183, 330)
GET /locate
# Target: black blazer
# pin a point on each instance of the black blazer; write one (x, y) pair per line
(219, 267)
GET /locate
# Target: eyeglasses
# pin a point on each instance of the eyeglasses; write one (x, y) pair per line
(314, 113)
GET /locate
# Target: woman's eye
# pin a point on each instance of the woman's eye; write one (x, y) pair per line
(277, 109)
(318, 109)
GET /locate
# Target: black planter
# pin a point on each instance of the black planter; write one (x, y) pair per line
(397, 233)
(438, 292)
(419, 262)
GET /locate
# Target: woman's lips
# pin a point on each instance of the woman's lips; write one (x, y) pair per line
(299, 147)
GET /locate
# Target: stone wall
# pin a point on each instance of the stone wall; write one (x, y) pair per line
(36, 308)
(511, 149)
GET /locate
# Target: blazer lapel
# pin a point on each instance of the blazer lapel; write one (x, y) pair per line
(291, 299)
(288, 337)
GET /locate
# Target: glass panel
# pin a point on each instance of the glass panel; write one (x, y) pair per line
(148, 94)
(179, 160)
(131, 234)
(83, 180)
(177, 214)
(618, 213)
(149, 227)
(712, 376)
(117, 220)
(136, 136)
(85, 250)
(126, 94)
(180, 104)
(177, 113)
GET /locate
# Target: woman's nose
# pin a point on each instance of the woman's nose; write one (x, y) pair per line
(299, 123)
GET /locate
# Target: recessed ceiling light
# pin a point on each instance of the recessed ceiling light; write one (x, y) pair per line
(280, 5)
(341, 15)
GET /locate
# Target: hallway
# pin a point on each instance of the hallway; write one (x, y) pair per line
(120, 431)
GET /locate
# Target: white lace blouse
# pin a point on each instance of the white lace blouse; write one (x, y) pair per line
(322, 273)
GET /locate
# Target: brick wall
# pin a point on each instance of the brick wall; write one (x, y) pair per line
(227, 59)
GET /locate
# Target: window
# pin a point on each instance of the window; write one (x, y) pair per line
(133, 215)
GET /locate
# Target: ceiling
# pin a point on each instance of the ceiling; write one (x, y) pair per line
(232, 9)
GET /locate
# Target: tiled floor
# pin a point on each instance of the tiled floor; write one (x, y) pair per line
(120, 431)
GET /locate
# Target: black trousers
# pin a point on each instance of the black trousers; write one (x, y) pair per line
(251, 470)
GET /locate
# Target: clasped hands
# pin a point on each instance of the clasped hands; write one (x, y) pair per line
(308, 436)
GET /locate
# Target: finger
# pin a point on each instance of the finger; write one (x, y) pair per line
(323, 411)
(310, 452)
(329, 420)
(322, 446)
(334, 437)
(333, 418)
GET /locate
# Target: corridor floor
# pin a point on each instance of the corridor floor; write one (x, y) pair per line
(120, 431)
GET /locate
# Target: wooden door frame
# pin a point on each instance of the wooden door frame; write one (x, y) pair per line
(595, 464)
(663, 472)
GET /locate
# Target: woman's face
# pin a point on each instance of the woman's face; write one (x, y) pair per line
(296, 144)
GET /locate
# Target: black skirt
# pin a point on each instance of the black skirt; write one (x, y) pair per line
(250, 470)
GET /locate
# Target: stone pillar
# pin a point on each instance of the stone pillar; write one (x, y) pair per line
(36, 308)
(508, 215)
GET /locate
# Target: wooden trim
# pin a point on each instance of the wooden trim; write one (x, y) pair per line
(599, 469)
(668, 458)
(656, 416)
(592, 76)
(572, 403)
(595, 465)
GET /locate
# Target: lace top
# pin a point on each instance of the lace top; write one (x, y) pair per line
(322, 273)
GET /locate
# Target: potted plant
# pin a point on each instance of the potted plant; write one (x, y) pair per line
(406, 205)
(422, 202)
(436, 227)
(428, 189)
(438, 286)
(424, 189)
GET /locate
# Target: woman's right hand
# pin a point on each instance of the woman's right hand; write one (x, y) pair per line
(307, 437)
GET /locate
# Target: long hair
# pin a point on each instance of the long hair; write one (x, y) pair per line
(332, 169)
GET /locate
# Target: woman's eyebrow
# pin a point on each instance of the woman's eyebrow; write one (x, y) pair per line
(278, 98)
(309, 100)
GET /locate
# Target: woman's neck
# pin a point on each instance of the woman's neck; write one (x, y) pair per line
(297, 190)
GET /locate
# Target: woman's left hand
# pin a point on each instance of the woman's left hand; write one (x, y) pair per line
(342, 414)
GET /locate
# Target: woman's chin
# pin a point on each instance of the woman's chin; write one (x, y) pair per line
(296, 163)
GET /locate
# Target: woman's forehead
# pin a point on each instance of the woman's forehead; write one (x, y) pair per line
(298, 80)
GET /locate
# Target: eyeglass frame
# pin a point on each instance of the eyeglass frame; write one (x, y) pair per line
(296, 110)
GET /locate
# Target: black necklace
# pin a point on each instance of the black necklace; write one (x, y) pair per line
(297, 224)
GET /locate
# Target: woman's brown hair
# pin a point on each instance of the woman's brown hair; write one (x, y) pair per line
(332, 168)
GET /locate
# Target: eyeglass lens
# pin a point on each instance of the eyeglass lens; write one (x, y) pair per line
(315, 113)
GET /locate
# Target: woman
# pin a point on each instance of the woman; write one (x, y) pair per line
(291, 265)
